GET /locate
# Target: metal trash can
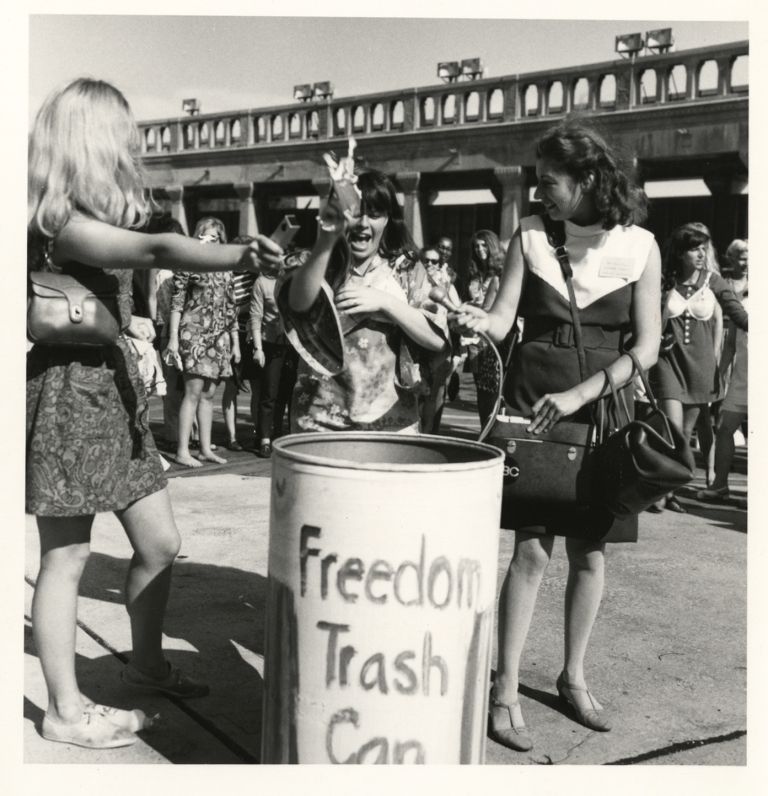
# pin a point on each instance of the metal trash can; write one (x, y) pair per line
(382, 581)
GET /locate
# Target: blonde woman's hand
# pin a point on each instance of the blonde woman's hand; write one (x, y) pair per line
(469, 319)
(259, 252)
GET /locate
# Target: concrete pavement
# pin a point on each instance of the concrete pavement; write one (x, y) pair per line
(667, 658)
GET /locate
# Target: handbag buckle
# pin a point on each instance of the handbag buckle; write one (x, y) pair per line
(571, 454)
(76, 313)
(511, 445)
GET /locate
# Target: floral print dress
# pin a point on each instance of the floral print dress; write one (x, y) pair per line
(208, 310)
(89, 447)
(378, 387)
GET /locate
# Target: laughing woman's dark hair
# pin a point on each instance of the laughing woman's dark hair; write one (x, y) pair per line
(579, 151)
(380, 197)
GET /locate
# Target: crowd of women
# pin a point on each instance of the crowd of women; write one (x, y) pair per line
(217, 307)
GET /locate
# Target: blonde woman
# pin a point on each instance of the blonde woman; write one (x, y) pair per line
(89, 448)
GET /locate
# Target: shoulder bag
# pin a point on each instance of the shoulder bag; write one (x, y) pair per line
(643, 460)
(69, 310)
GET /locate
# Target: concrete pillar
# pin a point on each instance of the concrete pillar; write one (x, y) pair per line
(176, 196)
(409, 182)
(247, 224)
(514, 201)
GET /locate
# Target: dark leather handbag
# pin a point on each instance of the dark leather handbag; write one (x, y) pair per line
(69, 310)
(642, 461)
(555, 468)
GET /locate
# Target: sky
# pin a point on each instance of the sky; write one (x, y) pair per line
(233, 62)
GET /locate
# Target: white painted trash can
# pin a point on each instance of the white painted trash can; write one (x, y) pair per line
(382, 580)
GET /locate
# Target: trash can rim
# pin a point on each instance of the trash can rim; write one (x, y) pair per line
(283, 447)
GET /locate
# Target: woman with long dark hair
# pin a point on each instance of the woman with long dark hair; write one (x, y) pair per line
(616, 280)
(381, 291)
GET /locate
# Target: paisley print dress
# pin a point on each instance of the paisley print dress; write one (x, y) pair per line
(89, 447)
(208, 318)
(379, 386)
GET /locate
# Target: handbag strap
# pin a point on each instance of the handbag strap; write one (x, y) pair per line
(555, 231)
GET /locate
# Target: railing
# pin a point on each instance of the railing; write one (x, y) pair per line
(698, 75)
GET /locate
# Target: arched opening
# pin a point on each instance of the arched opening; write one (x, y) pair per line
(472, 107)
(294, 126)
(648, 86)
(313, 123)
(340, 121)
(260, 128)
(377, 117)
(165, 139)
(607, 92)
(188, 136)
(428, 111)
(677, 79)
(531, 100)
(358, 119)
(449, 109)
(278, 129)
(556, 97)
(740, 73)
(235, 132)
(495, 103)
(580, 98)
(150, 139)
(397, 112)
(706, 82)
(204, 133)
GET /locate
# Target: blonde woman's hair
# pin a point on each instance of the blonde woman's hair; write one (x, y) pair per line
(84, 156)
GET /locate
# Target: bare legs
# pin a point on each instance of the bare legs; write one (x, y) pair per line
(728, 423)
(229, 408)
(151, 530)
(64, 550)
(583, 593)
(516, 603)
(198, 400)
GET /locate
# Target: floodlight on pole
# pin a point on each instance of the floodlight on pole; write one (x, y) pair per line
(190, 106)
(302, 92)
(629, 45)
(322, 90)
(472, 68)
(448, 71)
(659, 41)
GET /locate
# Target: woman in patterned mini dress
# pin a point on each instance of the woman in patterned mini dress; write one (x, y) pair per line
(89, 448)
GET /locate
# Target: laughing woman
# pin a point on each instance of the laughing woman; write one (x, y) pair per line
(384, 326)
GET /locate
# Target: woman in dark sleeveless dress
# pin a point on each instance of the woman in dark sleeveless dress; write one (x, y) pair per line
(616, 276)
(89, 448)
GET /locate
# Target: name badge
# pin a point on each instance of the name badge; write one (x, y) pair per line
(617, 267)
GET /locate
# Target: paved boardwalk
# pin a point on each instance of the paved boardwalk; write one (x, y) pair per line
(668, 655)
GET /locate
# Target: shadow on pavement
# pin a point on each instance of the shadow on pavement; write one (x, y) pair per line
(218, 614)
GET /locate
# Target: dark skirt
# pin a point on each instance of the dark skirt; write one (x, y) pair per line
(89, 447)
